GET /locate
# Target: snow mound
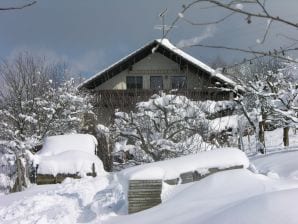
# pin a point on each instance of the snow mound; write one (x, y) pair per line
(170, 169)
(72, 201)
(275, 208)
(70, 162)
(284, 164)
(54, 145)
(199, 202)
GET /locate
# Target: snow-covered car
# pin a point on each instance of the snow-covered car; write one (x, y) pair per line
(62, 156)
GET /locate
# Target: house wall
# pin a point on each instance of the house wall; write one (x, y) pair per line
(153, 65)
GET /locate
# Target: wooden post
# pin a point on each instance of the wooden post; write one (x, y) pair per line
(93, 170)
(286, 136)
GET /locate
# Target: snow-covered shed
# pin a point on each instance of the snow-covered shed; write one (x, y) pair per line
(62, 156)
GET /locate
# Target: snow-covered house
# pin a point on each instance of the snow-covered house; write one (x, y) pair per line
(159, 65)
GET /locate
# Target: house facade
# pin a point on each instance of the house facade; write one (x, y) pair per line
(156, 66)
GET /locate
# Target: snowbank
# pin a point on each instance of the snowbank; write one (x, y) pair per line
(73, 201)
(70, 162)
(54, 145)
(170, 169)
(274, 208)
(201, 201)
(282, 164)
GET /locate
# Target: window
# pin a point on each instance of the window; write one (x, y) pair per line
(134, 82)
(156, 82)
(178, 82)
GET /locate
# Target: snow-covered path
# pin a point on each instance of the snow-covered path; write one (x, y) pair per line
(74, 201)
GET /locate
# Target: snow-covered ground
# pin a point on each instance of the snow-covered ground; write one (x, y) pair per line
(235, 196)
(273, 140)
(87, 200)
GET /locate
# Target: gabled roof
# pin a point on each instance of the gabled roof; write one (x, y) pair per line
(166, 48)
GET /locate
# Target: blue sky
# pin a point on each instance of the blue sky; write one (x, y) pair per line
(91, 34)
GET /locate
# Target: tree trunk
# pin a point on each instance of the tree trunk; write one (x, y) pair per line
(286, 136)
(262, 136)
(20, 182)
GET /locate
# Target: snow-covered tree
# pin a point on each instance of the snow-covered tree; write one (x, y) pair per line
(32, 106)
(165, 126)
(270, 99)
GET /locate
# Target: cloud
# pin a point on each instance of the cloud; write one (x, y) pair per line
(207, 33)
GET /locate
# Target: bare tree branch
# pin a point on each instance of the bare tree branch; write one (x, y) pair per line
(274, 52)
(18, 7)
(265, 15)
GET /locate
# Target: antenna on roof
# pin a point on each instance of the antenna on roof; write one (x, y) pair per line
(163, 26)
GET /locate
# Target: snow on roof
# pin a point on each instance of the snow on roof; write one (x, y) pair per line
(70, 162)
(170, 169)
(54, 145)
(167, 44)
(68, 154)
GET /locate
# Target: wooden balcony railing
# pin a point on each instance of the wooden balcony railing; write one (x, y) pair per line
(128, 98)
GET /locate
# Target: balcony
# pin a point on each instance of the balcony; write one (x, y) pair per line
(126, 99)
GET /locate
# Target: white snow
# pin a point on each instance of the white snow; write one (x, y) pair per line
(73, 201)
(273, 140)
(170, 169)
(166, 43)
(68, 154)
(54, 145)
(239, 6)
(70, 162)
(275, 207)
(283, 163)
(234, 196)
(202, 201)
